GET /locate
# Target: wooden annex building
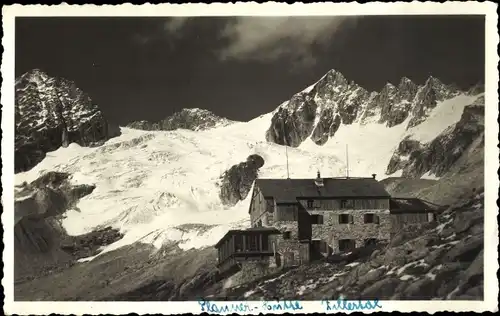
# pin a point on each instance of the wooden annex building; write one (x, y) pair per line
(239, 246)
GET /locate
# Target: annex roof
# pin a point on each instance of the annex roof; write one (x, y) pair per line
(262, 230)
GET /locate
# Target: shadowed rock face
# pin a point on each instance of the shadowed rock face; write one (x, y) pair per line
(53, 112)
(237, 181)
(292, 127)
(192, 119)
(327, 126)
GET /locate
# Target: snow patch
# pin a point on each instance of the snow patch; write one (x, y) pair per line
(429, 176)
(352, 264)
(407, 277)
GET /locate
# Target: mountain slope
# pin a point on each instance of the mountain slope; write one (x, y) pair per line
(151, 184)
(170, 191)
(53, 112)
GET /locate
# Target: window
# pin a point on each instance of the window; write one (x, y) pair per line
(370, 242)
(310, 204)
(287, 235)
(238, 243)
(320, 245)
(347, 244)
(346, 219)
(349, 204)
(371, 218)
(325, 247)
(253, 242)
(287, 213)
(430, 217)
(288, 259)
(265, 242)
(316, 219)
(270, 205)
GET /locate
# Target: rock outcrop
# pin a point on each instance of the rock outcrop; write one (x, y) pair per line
(437, 156)
(48, 196)
(192, 119)
(54, 112)
(427, 97)
(396, 103)
(39, 238)
(292, 125)
(236, 182)
(88, 245)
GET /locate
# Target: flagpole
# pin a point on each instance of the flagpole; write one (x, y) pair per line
(347, 160)
(286, 152)
(287, 168)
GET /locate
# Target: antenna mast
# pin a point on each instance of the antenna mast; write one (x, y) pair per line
(286, 152)
(287, 169)
(347, 160)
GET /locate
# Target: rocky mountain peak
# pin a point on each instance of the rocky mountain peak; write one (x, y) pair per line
(427, 97)
(406, 84)
(388, 88)
(336, 78)
(442, 91)
(51, 112)
(34, 75)
(405, 79)
(476, 89)
(195, 119)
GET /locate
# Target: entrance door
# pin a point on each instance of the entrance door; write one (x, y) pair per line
(288, 259)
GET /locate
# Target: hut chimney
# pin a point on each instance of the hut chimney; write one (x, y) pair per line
(319, 180)
(374, 175)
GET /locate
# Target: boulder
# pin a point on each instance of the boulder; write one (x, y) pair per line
(423, 289)
(382, 289)
(235, 183)
(370, 277)
(474, 273)
(465, 251)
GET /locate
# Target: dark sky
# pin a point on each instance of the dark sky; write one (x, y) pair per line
(148, 68)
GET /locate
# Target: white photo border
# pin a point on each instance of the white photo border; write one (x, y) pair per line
(488, 9)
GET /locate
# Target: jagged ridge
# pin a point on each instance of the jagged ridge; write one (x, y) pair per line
(319, 111)
(194, 119)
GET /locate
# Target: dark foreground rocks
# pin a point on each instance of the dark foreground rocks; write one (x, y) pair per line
(444, 261)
